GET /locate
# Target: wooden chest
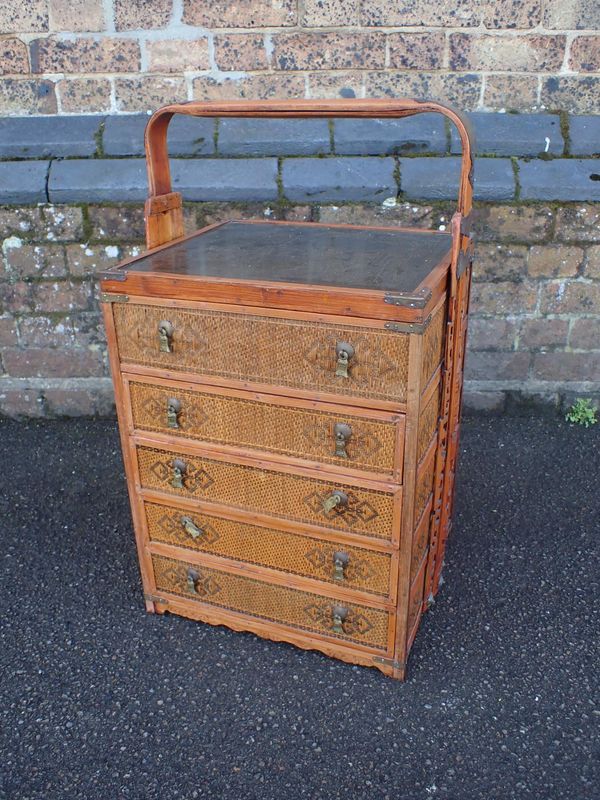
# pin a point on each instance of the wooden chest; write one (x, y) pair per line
(288, 398)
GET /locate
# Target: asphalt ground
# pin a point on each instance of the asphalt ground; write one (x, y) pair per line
(101, 700)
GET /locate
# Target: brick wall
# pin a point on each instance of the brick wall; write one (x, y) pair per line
(82, 56)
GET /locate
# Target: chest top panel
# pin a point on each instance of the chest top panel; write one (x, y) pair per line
(300, 253)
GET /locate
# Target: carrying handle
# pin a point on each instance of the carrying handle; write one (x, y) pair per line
(164, 220)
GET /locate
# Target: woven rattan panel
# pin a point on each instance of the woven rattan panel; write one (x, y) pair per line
(433, 341)
(281, 495)
(267, 547)
(290, 431)
(266, 350)
(428, 421)
(419, 546)
(301, 610)
(424, 487)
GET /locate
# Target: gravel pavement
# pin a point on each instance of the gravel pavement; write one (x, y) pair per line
(101, 700)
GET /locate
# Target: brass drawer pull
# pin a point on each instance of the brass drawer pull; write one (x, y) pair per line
(192, 578)
(165, 336)
(179, 470)
(340, 562)
(339, 614)
(173, 409)
(191, 528)
(336, 499)
(342, 432)
(344, 353)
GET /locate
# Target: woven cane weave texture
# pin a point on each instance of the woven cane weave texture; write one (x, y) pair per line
(267, 350)
(424, 487)
(301, 610)
(368, 512)
(433, 341)
(267, 547)
(419, 546)
(295, 432)
(428, 422)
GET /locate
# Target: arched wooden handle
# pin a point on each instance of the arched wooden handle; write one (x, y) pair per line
(163, 209)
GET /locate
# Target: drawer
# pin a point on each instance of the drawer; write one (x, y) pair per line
(281, 494)
(258, 599)
(302, 354)
(338, 564)
(270, 425)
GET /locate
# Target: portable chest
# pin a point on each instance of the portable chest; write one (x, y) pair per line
(288, 398)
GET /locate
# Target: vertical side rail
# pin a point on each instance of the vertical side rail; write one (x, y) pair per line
(449, 423)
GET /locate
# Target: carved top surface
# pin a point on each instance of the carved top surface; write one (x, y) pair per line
(355, 258)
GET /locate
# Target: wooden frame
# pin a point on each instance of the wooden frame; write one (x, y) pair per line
(447, 284)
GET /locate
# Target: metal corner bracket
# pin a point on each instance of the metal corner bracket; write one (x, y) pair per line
(417, 300)
(389, 662)
(107, 297)
(155, 599)
(408, 327)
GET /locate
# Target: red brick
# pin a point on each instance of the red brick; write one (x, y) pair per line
(249, 14)
(22, 402)
(62, 296)
(529, 53)
(148, 93)
(433, 13)
(592, 263)
(570, 297)
(554, 261)
(62, 223)
(341, 83)
(579, 94)
(33, 260)
(19, 221)
(578, 367)
(401, 215)
(251, 87)
(25, 96)
(585, 54)
(511, 13)
(486, 366)
(491, 333)
(502, 299)
(570, 15)
(77, 15)
(511, 92)
(499, 262)
(39, 331)
(312, 50)
(238, 51)
(13, 57)
(16, 297)
(70, 402)
(579, 222)
(85, 55)
(320, 14)
(47, 362)
(86, 260)
(416, 50)
(117, 223)
(8, 332)
(520, 223)
(178, 55)
(23, 16)
(134, 14)
(84, 95)
(537, 333)
(585, 334)
(460, 89)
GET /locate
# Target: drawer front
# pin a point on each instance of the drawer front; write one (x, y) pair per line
(300, 610)
(265, 350)
(296, 432)
(335, 563)
(278, 494)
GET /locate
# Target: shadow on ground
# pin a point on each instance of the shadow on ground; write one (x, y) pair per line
(100, 700)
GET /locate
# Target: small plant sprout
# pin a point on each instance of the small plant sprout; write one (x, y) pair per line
(582, 412)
